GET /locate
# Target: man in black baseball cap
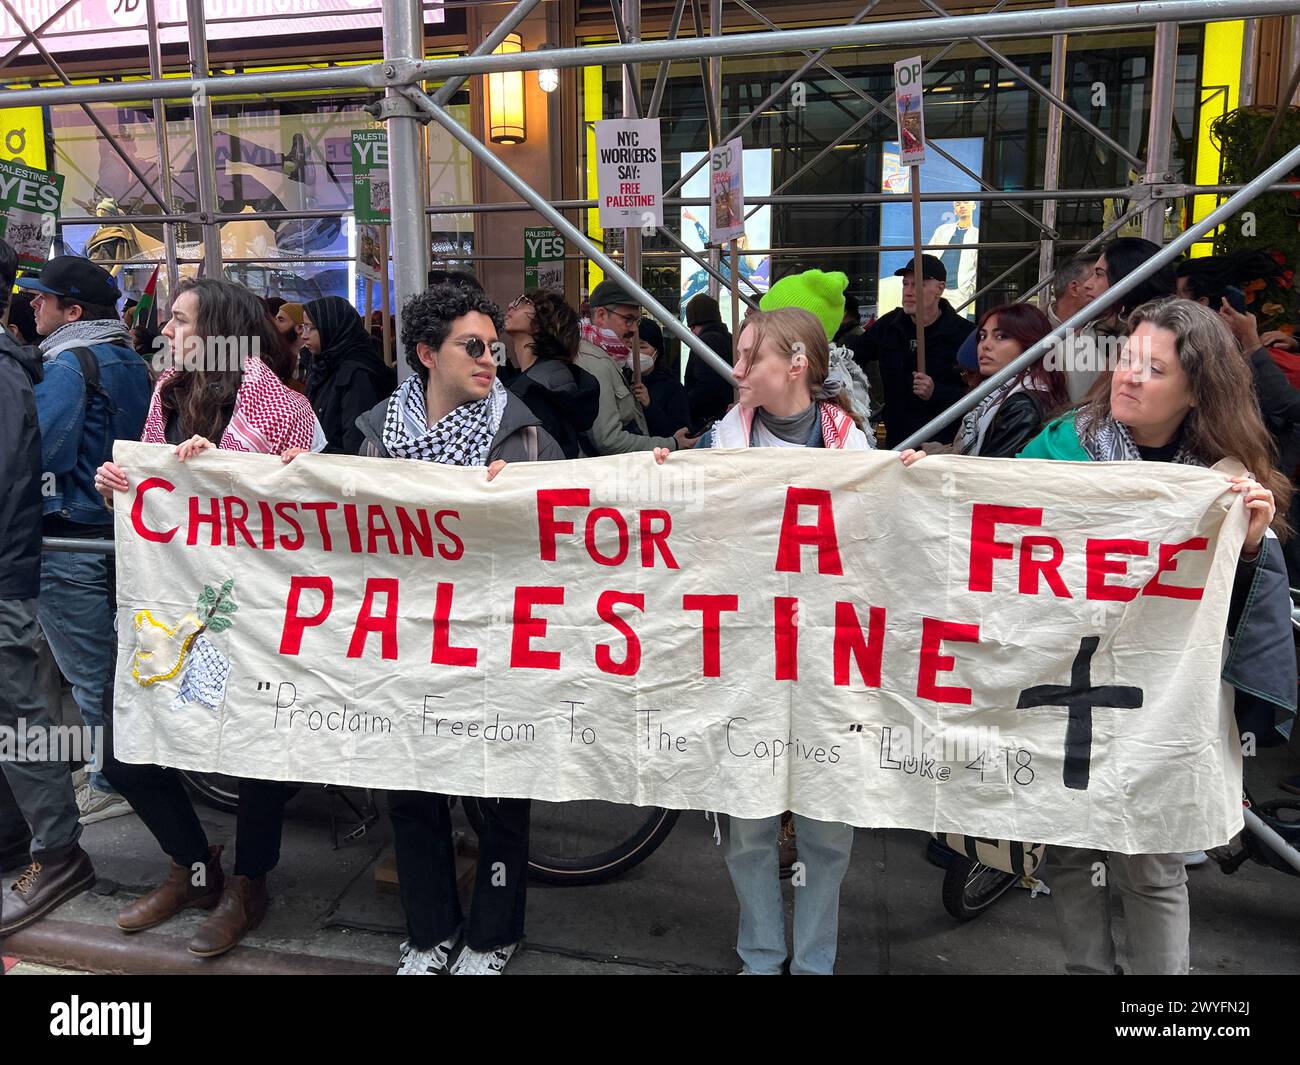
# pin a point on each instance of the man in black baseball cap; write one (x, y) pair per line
(77, 281)
(95, 390)
(912, 398)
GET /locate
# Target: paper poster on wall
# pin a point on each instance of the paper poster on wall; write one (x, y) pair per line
(726, 192)
(757, 178)
(29, 206)
(629, 173)
(543, 258)
(954, 222)
(371, 253)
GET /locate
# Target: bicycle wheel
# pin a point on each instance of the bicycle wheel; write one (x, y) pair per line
(586, 842)
(970, 888)
(213, 789)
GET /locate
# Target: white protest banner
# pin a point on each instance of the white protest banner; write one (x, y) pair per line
(908, 74)
(1011, 649)
(726, 192)
(629, 173)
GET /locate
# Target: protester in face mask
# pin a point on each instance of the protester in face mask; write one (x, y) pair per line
(666, 402)
(786, 399)
(607, 340)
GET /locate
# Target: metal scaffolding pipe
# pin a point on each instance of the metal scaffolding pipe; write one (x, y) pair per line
(902, 32)
(1052, 160)
(164, 148)
(1164, 74)
(205, 172)
(661, 75)
(571, 232)
(520, 11)
(408, 168)
(1163, 257)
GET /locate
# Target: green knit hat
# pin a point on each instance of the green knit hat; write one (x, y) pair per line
(820, 293)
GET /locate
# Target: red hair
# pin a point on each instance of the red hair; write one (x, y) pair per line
(1028, 325)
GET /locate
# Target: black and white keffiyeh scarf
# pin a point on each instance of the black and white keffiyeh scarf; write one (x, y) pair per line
(1106, 440)
(462, 438)
(977, 420)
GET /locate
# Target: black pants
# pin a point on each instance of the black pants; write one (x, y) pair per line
(158, 796)
(426, 869)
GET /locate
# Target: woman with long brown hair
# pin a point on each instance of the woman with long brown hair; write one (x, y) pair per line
(217, 393)
(1181, 393)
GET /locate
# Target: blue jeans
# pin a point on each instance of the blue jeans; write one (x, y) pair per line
(76, 613)
(754, 864)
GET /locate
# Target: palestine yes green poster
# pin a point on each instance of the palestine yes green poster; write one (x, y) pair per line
(371, 203)
(29, 207)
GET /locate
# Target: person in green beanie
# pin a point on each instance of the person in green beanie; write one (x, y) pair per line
(816, 291)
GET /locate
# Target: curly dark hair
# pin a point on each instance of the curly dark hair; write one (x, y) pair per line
(427, 318)
(555, 318)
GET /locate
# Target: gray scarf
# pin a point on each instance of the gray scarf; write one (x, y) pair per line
(84, 334)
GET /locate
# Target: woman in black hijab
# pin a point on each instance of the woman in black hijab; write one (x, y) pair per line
(347, 377)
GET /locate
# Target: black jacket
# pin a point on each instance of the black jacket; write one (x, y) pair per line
(1018, 420)
(670, 405)
(892, 343)
(563, 396)
(348, 377)
(710, 394)
(20, 471)
(1279, 403)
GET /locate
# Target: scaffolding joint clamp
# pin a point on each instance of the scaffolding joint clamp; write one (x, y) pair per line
(395, 106)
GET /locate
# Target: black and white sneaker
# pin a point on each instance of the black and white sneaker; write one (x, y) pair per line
(483, 963)
(431, 962)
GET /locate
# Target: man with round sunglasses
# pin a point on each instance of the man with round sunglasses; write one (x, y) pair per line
(453, 410)
(620, 425)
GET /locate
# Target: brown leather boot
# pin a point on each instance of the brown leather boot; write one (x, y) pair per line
(178, 892)
(45, 886)
(241, 909)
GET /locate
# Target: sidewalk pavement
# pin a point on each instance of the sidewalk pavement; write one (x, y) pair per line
(674, 913)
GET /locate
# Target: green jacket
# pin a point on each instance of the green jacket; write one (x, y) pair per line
(1059, 440)
(1261, 662)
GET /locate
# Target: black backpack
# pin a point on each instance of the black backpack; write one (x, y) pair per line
(90, 371)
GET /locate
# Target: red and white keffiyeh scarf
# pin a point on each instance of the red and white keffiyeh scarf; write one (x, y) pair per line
(268, 417)
(736, 428)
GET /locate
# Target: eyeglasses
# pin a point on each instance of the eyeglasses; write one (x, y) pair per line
(477, 347)
(628, 319)
(521, 301)
(306, 327)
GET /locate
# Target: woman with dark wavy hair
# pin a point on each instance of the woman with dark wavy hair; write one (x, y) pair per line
(1012, 415)
(217, 393)
(542, 334)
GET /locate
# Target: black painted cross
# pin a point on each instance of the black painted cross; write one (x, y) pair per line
(1081, 698)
